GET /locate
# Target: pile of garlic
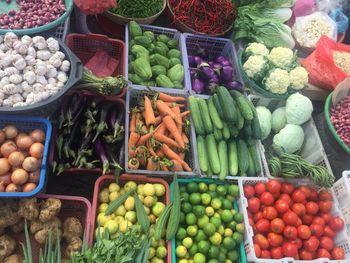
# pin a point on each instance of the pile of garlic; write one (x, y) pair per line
(31, 69)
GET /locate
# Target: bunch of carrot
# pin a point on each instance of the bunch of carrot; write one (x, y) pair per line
(158, 134)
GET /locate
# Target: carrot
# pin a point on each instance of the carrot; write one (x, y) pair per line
(167, 98)
(176, 166)
(150, 149)
(153, 163)
(185, 113)
(173, 105)
(132, 124)
(182, 155)
(164, 110)
(160, 153)
(177, 112)
(174, 156)
(143, 150)
(161, 129)
(132, 152)
(172, 128)
(142, 159)
(133, 164)
(149, 113)
(165, 168)
(158, 120)
(133, 139)
(164, 139)
(144, 138)
(184, 137)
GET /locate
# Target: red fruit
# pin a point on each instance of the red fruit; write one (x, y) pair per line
(290, 249)
(265, 254)
(287, 188)
(307, 219)
(318, 220)
(338, 253)
(323, 253)
(275, 240)
(254, 204)
(311, 207)
(281, 206)
(336, 223)
(313, 195)
(290, 232)
(326, 243)
(257, 250)
(297, 242)
(324, 195)
(325, 206)
(326, 217)
(306, 255)
(277, 252)
(257, 216)
(251, 222)
(248, 191)
(286, 198)
(273, 186)
(277, 225)
(299, 197)
(311, 244)
(306, 190)
(269, 212)
(328, 232)
(290, 218)
(263, 225)
(276, 195)
(299, 209)
(303, 232)
(316, 230)
(299, 222)
(261, 240)
(260, 188)
(266, 198)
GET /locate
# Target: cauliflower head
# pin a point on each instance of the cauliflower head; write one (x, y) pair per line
(255, 67)
(277, 81)
(298, 78)
(256, 49)
(282, 57)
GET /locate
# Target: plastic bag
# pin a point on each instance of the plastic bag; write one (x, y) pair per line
(304, 7)
(320, 65)
(94, 7)
(307, 30)
(342, 20)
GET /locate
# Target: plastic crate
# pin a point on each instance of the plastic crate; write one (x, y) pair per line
(215, 47)
(103, 181)
(242, 258)
(312, 149)
(341, 190)
(132, 97)
(28, 124)
(171, 33)
(72, 206)
(342, 238)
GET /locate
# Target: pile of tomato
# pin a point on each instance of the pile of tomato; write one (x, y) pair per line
(291, 221)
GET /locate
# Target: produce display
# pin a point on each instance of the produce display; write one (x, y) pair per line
(339, 114)
(342, 60)
(211, 229)
(293, 221)
(154, 59)
(136, 9)
(31, 69)
(21, 156)
(159, 134)
(227, 128)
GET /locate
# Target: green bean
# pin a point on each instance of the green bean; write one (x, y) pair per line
(137, 8)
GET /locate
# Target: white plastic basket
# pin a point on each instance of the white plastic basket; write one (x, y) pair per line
(342, 239)
(342, 192)
(312, 149)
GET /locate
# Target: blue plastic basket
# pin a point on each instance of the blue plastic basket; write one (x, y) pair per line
(242, 254)
(215, 46)
(28, 124)
(171, 33)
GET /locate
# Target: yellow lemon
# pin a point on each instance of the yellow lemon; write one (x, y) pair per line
(130, 185)
(102, 208)
(120, 211)
(152, 218)
(157, 260)
(102, 232)
(119, 219)
(123, 226)
(111, 226)
(158, 208)
(113, 187)
(147, 209)
(154, 243)
(129, 203)
(228, 232)
(209, 211)
(102, 219)
(103, 196)
(152, 252)
(221, 230)
(131, 216)
(181, 251)
(113, 196)
(183, 261)
(141, 197)
(115, 235)
(159, 189)
(139, 189)
(148, 201)
(149, 190)
(161, 242)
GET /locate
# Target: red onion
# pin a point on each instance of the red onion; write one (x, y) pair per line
(340, 118)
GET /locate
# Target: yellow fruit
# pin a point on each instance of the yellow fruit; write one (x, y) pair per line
(161, 242)
(157, 260)
(228, 261)
(158, 208)
(183, 261)
(221, 230)
(103, 196)
(113, 196)
(148, 189)
(216, 239)
(152, 218)
(154, 243)
(130, 185)
(119, 219)
(131, 216)
(155, 199)
(151, 231)
(187, 242)
(129, 203)
(148, 201)
(228, 232)
(113, 187)
(102, 232)
(161, 252)
(181, 251)
(147, 209)
(120, 211)
(122, 191)
(139, 189)
(102, 219)
(141, 197)
(152, 252)
(102, 207)
(115, 235)
(111, 226)
(159, 189)
(123, 226)
(209, 211)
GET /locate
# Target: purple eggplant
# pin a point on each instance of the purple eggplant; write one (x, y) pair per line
(211, 63)
(234, 85)
(193, 72)
(220, 59)
(197, 85)
(206, 72)
(226, 74)
(198, 60)
(103, 156)
(191, 61)
(226, 63)
(214, 79)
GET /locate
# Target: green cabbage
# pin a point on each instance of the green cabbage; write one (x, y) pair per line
(264, 116)
(289, 139)
(298, 109)
(279, 119)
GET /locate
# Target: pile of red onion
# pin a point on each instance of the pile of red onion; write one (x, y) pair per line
(340, 118)
(32, 13)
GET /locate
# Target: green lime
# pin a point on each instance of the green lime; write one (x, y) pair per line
(229, 243)
(181, 251)
(221, 190)
(193, 250)
(230, 198)
(199, 258)
(222, 257)
(212, 187)
(183, 189)
(192, 187)
(226, 204)
(223, 250)
(186, 207)
(205, 198)
(215, 239)
(209, 211)
(192, 230)
(240, 228)
(226, 216)
(233, 255)
(195, 198)
(191, 219)
(203, 221)
(216, 203)
(203, 187)
(238, 237)
(203, 246)
(221, 230)
(182, 218)
(238, 217)
(232, 225)
(200, 236)
(187, 242)
(213, 260)
(216, 221)
(199, 211)
(213, 252)
(184, 197)
(181, 233)
(209, 229)
(233, 190)
(213, 194)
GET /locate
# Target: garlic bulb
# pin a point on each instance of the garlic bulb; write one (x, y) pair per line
(52, 44)
(62, 77)
(27, 40)
(65, 66)
(51, 71)
(20, 47)
(15, 78)
(10, 71)
(30, 60)
(39, 42)
(43, 55)
(31, 52)
(10, 38)
(30, 77)
(19, 63)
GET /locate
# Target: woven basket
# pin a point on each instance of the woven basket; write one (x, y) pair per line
(121, 20)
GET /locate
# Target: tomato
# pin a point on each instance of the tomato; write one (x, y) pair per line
(248, 191)
(263, 225)
(316, 230)
(275, 240)
(257, 250)
(328, 232)
(304, 232)
(306, 255)
(273, 186)
(326, 243)
(251, 222)
(318, 220)
(257, 216)
(325, 206)
(313, 195)
(276, 252)
(290, 249)
(276, 195)
(299, 209)
(250, 215)
(338, 253)
(287, 188)
(290, 218)
(311, 244)
(299, 222)
(306, 190)
(260, 188)
(326, 217)
(265, 254)
(266, 198)
(323, 253)
(298, 196)
(336, 223)
(311, 207)
(261, 240)
(297, 242)
(290, 232)
(254, 204)
(324, 195)
(286, 198)
(277, 225)
(307, 219)
(281, 206)
(269, 212)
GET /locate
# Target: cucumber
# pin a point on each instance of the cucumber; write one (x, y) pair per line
(255, 156)
(256, 129)
(196, 116)
(243, 160)
(240, 119)
(222, 149)
(233, 130)
(243, 104)
(213, 154)
(247, 129)
(251, 166)
(202, 155)
(217, 134)
(227, 104)
(214, 115)
(232, 158)
(226, 131)
(218, 105)
(210, 172)
(204, 110)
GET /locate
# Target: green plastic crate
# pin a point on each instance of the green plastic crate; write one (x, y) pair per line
(242, 258)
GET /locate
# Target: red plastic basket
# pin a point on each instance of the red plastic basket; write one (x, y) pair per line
(106, 179)
(78, 207)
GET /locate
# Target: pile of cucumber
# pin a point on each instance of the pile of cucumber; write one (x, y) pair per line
(227, 129)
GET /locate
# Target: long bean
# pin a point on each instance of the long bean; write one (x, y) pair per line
(137, 8)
